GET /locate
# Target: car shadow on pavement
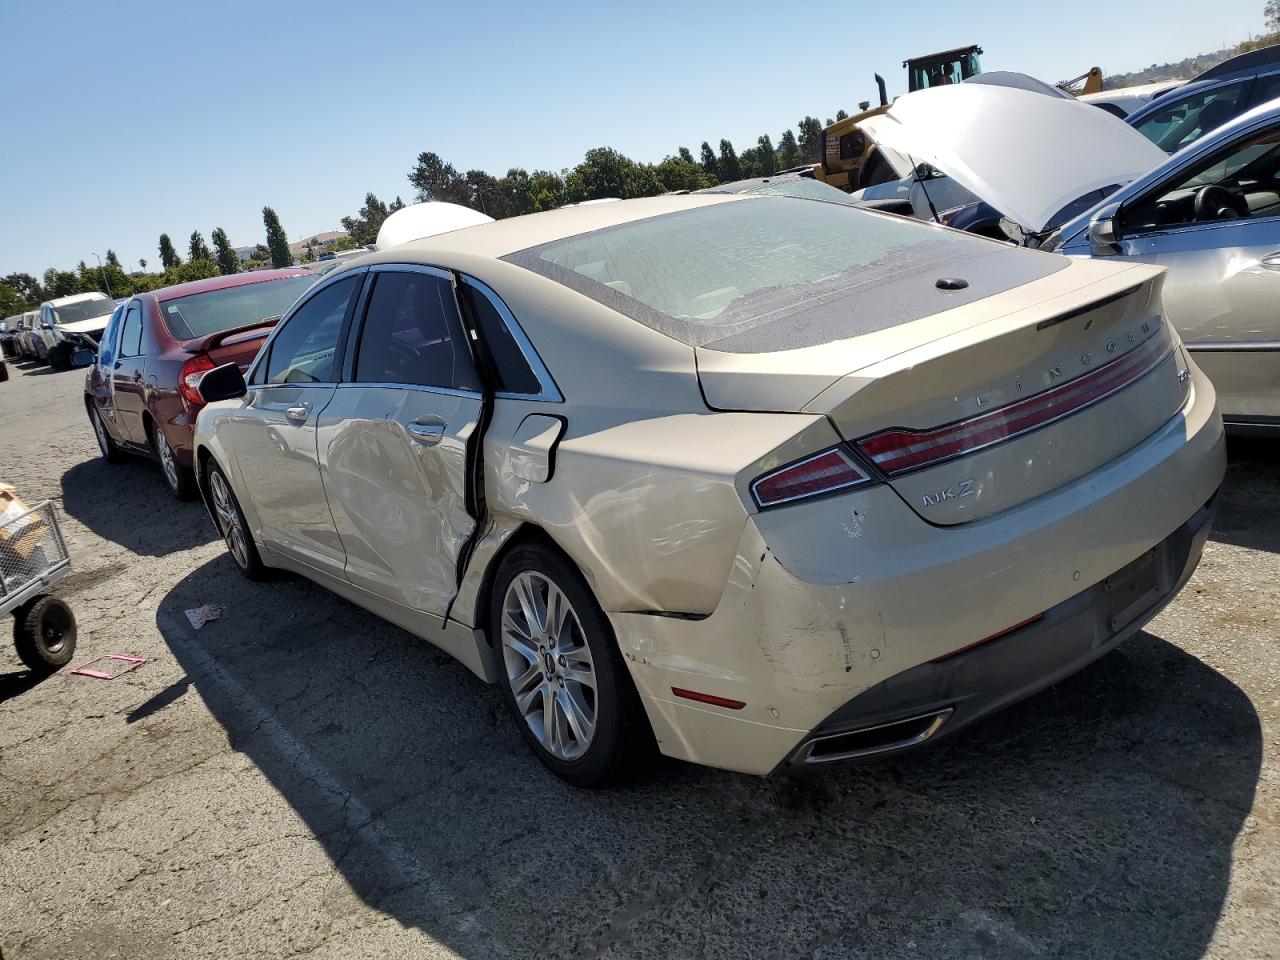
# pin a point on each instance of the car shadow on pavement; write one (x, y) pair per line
(129, 504)
(1248, 495)
(1096, 819)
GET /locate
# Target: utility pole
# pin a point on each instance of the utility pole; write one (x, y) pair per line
(103, 273)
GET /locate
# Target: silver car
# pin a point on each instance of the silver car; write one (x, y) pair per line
(767, 482)
(1074, 180)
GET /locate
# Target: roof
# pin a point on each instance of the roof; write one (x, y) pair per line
(502, 237)
(973, 47)
(1245, 63)
(223, 283)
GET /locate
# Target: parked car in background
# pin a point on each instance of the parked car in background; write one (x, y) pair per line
(1206, 102)
(1123, 101)
(1071, 180)
(772, 482)
(784, 185)
(8, 330)
(28, 338)
(140, 391)
(70, 327)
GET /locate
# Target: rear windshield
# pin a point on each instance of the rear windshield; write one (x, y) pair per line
(83, 310)
(709, 273)
(201, 314)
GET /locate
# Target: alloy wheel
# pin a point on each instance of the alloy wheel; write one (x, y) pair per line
(229, 519)
(548, 665)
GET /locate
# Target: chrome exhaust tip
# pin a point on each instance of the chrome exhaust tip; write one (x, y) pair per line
(868, 741)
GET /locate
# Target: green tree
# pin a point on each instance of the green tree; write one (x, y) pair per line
(113, 260)
(730, 168)
(810, 140)
(604, 172)
(142, 262)
(434, 179)
(277, 241)
(684, 154)
(841, 115)
(514, 188)
(546, 190)
(709, 164)
(679, 173)
(60, 283)
(10, 301)
(1271, 16)
(26, 286)
(768, 156)
(485, 194)
(224, 254)
(197, 249)
(363, 227)
(788, 151)
(168, 256)
(396, 204)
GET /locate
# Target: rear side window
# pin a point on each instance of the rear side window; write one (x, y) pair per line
(412, 335)
(106, 346)
(514, 373)
(131, 335)
(1187, 119)
(303, 350)
(201, 314)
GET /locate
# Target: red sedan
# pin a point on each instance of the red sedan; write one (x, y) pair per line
(140, 393)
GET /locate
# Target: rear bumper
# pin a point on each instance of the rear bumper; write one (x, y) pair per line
(935, 699)
(832, 600)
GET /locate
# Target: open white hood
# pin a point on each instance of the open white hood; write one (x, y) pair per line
(1026, 154)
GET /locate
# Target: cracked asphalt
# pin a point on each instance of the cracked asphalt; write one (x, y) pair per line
(300, 778)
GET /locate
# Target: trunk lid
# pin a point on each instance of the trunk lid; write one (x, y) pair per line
(238, 345)
(991, 404)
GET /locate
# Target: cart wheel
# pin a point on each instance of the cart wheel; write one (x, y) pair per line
(45, 634)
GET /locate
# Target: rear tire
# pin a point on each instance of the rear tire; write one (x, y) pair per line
(557, 680)
(233, 527)
(45, 634)
(180, 480)
(110, 452)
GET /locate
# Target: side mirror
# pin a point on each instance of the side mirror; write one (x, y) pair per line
(222, 383)
(46, 324)
(1103, 233)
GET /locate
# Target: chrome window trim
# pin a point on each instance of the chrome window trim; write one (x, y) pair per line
(1233, 346)
(548, 391)
(321, 284)
(411, 268)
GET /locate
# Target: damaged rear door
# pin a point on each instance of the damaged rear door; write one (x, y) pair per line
(393, 442)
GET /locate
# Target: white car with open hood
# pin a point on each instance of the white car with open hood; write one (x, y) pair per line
(71, 327)
(1073, 179)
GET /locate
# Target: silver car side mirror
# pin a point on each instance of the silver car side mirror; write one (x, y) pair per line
(1102, 231)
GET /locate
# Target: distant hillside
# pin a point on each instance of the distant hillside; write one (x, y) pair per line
(1183, 69)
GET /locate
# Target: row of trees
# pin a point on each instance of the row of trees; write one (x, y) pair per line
(22, 291)
(604, 172)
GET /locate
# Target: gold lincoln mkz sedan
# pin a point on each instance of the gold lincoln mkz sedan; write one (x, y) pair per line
(766, 482)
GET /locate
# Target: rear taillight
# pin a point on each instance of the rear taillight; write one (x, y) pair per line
(189, 378)
(814, 476)
(902, 450)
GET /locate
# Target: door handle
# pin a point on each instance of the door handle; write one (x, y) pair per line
(427, 434)
(298, 413)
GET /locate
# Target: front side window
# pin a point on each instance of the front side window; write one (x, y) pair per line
(304, 348)
(1187, 119)
(1239, 182)
(131, 334)
(412, 335)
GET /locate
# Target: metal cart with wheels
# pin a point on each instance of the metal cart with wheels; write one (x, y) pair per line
(33, 557)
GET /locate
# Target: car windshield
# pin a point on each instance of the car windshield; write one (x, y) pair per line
(201, 314)
(83, 310)
(707, 273)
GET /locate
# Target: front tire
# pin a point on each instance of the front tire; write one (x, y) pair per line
(180, 480)
(561, 674)
(45, 634)
(110, 452)
(60, 357)
(233, 527)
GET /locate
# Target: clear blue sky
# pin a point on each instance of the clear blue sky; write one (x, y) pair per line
(125, 120)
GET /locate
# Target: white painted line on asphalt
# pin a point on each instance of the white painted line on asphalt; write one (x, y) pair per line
(405, 868)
